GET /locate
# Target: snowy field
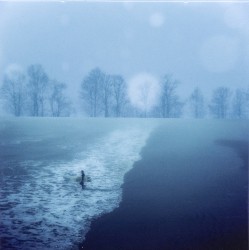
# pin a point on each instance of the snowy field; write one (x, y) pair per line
(42, 204)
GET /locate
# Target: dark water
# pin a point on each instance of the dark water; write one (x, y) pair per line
(189, 191)
(42, 205)
(239, 146)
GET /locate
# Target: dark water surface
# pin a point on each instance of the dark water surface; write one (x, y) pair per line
(189, 191)
(42, 205)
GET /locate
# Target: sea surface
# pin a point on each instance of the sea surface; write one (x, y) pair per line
(189, 191)
(44, 207)
(42, 204)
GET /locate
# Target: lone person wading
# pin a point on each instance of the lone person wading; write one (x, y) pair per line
(82, 182)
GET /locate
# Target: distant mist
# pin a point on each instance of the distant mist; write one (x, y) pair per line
(181, 46)
(33, 92)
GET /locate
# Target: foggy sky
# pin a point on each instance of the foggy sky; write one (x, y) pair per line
(200, 44)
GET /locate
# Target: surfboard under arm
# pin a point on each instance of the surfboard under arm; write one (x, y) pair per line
(86, 178)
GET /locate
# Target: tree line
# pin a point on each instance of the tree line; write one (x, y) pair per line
(33, 93)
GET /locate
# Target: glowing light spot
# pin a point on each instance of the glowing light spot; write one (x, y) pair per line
(219, 53)
(156, 20)
(143, 91)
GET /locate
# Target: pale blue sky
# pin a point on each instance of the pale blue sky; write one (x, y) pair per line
(201, 44)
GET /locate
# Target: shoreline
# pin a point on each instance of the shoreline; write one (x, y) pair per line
(163, 207)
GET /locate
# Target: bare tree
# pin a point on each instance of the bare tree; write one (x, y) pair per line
(240, 104)
(13, 91)
(197, 103)
(38, 89)
(145, 90)
(170, 104)
(219, 105)
(131, 111)
(59, 103)
(119, 92)
(107, 93)
(91, 91)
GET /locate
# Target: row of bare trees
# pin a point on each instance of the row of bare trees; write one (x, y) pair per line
(106, 95)
(32, 93)
(224, 104)
(103, 94)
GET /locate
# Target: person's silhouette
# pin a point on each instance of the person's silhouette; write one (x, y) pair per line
(82, 182)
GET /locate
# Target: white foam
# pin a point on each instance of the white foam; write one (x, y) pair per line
(52, 212)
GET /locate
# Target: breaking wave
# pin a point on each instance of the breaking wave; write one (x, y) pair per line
(51, 211)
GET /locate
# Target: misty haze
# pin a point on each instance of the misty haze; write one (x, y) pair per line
(124, 125)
